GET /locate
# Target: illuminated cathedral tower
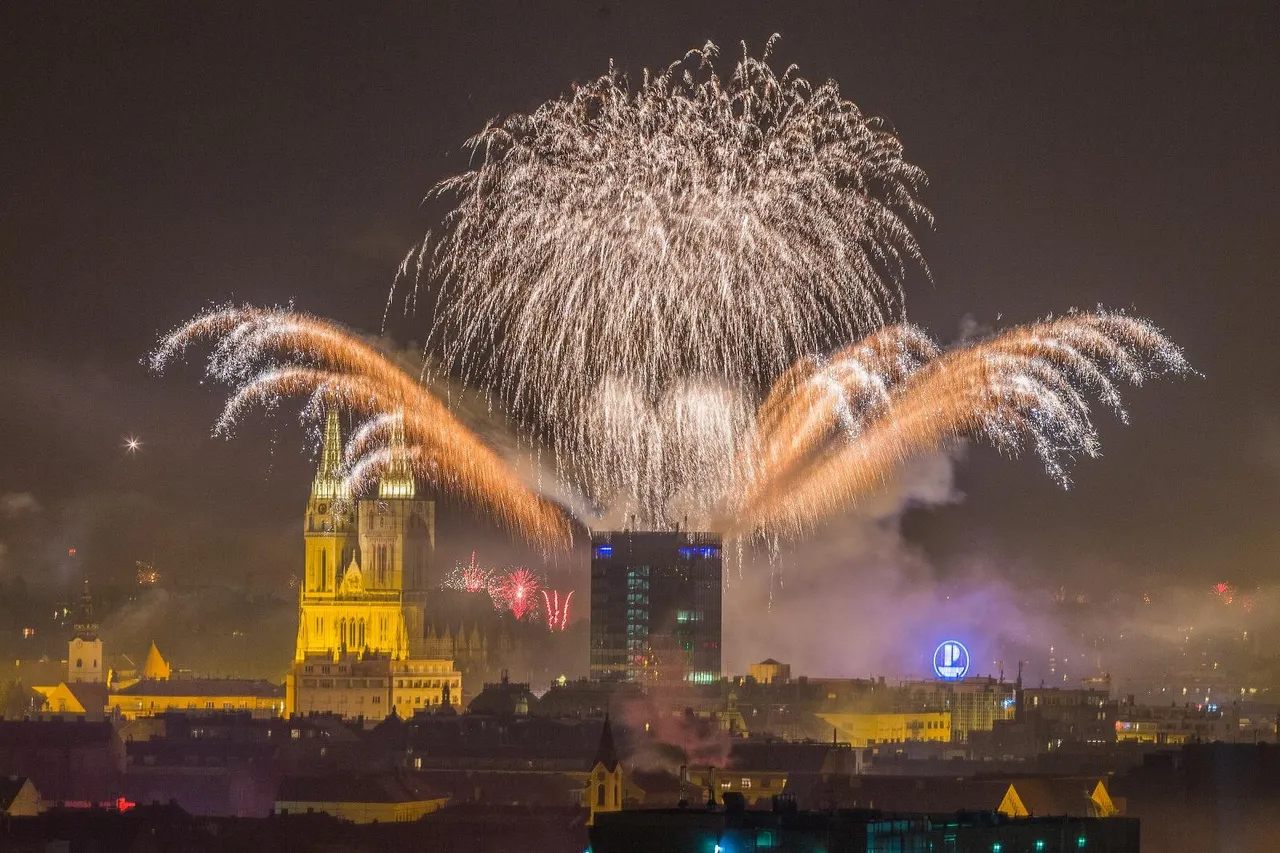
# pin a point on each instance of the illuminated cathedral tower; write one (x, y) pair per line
(364, 583)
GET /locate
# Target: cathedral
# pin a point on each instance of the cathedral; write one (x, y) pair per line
(362, 647)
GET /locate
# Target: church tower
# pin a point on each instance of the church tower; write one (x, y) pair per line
(365, 581)
(604, 784)
(398, 538)
(329, 518)
(84, 652)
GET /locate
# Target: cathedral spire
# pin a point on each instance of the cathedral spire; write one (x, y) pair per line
(397, 479)
(328, 482)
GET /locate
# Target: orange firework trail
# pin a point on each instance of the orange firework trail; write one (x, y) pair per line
(271, 353)
(1020, 388)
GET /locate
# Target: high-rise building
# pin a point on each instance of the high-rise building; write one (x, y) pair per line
(655, 606)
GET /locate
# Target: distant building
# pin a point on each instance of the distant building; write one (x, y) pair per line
(84, 652)
(603, 792)
(371, 685)
(975, 703)
(149, 697)
(734, 828)
(18, 797)
(875, 729)
(360, 799)
(656, 606)
(770, 672)
(367, 561)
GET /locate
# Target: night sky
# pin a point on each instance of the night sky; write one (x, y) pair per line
(160, 161)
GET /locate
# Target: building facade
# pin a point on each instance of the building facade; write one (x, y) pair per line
(364, 585)
(656, 606)
(362, 647)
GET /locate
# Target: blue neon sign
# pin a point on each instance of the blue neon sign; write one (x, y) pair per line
(951, 660)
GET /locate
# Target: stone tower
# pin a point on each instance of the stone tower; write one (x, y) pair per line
(84, 652)
(364, 587)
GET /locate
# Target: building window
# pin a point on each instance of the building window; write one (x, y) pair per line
(746, 783)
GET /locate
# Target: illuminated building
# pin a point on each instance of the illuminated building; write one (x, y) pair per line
(150, 697)
(769, 671)
(365, 579)
(84, 692)
(861, 730)
(371, 685)
(362, 647)
(655, 606)
(603, 792)
(84, 652)
(975, 703)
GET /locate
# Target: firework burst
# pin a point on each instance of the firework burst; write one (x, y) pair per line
(557, 610)
(692, 226)
(470, 577)
(516, 592)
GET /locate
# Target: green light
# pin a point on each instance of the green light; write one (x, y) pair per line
(1039, 844)
(996, 848)
(1080, 842)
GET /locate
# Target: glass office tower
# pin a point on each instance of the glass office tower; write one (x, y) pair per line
(655, 606)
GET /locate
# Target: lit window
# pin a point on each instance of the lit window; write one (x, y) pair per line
(746, 783)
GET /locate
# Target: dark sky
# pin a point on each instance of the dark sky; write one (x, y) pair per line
(160, 160)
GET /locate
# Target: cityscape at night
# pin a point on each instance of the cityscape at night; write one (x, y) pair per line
(577, 426)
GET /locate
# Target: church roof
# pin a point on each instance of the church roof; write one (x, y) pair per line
(397, 478)
(155, 666)
(257, 688)
(606, 753)
(329, 482)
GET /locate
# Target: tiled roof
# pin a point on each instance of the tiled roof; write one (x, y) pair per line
(205, 687)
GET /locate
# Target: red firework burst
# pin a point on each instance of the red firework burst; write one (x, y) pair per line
(557, 610)
(515, 591)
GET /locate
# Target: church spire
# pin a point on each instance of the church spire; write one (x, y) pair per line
(86, 627)
(328, 482)
(397, 479)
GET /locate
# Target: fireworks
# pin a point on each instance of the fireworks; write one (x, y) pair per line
(147, 574)
(645, 275)
(557, 611)
(692, 227)
(515, 591)
(268, 354)
(1024, 387)
(470, 577)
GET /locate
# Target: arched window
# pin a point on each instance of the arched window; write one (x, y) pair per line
(599, 795)
(79, 663)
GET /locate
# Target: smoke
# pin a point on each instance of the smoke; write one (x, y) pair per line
(663, 738)
(16, 504)
(856, 598)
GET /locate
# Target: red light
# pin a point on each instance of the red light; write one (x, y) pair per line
(124, 805)
(71, 552)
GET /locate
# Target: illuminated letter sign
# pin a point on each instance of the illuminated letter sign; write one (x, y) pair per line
(951, 660)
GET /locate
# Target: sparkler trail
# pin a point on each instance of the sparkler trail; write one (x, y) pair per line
(1019, 388)
(266, 354)
(557, 610)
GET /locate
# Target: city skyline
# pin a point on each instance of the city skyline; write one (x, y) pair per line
(1124, 226)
